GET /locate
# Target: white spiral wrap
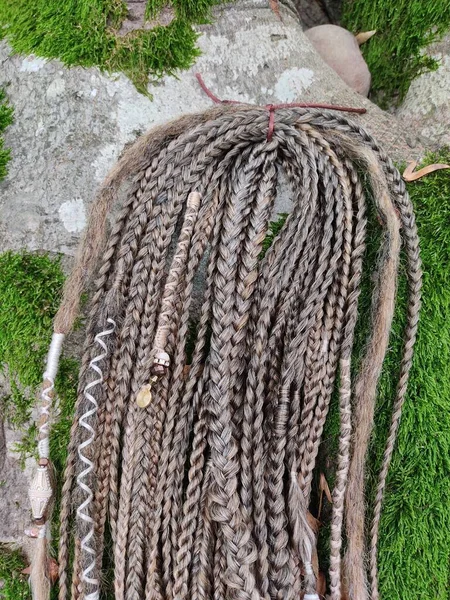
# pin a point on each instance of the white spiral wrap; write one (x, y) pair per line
(83, 511)
(46, 395)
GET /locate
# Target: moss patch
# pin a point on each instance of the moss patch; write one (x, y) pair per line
(414, 555)
(6, 118)
(394, 54)
(14, 585)
(30, 291)
(84, 32)
(414, 548)
(30, 287)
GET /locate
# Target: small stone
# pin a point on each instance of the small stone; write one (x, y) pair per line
(340, 50)
(144, 397)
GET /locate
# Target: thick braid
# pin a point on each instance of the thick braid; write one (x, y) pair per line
(246, 289)
(140, 502)
(256, 390)
(224, 497)
(202, 571)
(365, 385)
(191, 507)
(164, 475)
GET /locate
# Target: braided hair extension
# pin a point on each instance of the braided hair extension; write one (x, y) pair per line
(200, 462)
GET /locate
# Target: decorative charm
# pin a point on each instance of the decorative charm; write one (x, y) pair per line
(144, 396)
(40, 493)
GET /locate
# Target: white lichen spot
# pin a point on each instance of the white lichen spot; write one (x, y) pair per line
(107, 156)
(293, 83)
(73, 215)
(56, 88)
(32, 64)
(94, 92)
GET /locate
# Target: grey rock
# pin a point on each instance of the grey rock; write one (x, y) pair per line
(14, 510)
(319, 12)
(426, 107)
(72, 124)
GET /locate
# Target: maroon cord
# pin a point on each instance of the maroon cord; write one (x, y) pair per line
(273, 107)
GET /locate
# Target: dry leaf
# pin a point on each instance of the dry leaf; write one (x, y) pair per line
(324, 489)
(410, 175)
(53, 570)
(364, 36)
(313, 522)
(321, 587)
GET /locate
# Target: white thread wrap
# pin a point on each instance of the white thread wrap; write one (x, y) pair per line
(42, 532)
(51, 370)
(89, 558)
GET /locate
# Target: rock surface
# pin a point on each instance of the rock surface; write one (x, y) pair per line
(71, 125)
(14, 508)
(427, 104)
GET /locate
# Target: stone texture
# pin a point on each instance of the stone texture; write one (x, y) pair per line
(426, 107)
(135, 18)
(13, 491)
(340, 50)
(71, 125)
(318, 12)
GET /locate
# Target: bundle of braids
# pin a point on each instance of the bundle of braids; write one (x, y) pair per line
(209, 367)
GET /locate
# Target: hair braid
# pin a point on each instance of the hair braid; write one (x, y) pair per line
(204, 472)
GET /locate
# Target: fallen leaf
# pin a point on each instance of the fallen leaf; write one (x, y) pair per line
(323, 486)
(324, 489)
(53, 570)
(313, 522)
(321, 586)
(410, 175)
(363, 36)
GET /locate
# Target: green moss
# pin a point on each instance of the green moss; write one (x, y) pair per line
(30, 290)
(84, 32)
(414, 552)
(274, 229)
(404, 28)
(30, 286)
(414, 549)
(14, 583)
(6, 118)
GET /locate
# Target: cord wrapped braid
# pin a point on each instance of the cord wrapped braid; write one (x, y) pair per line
(218, 364)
